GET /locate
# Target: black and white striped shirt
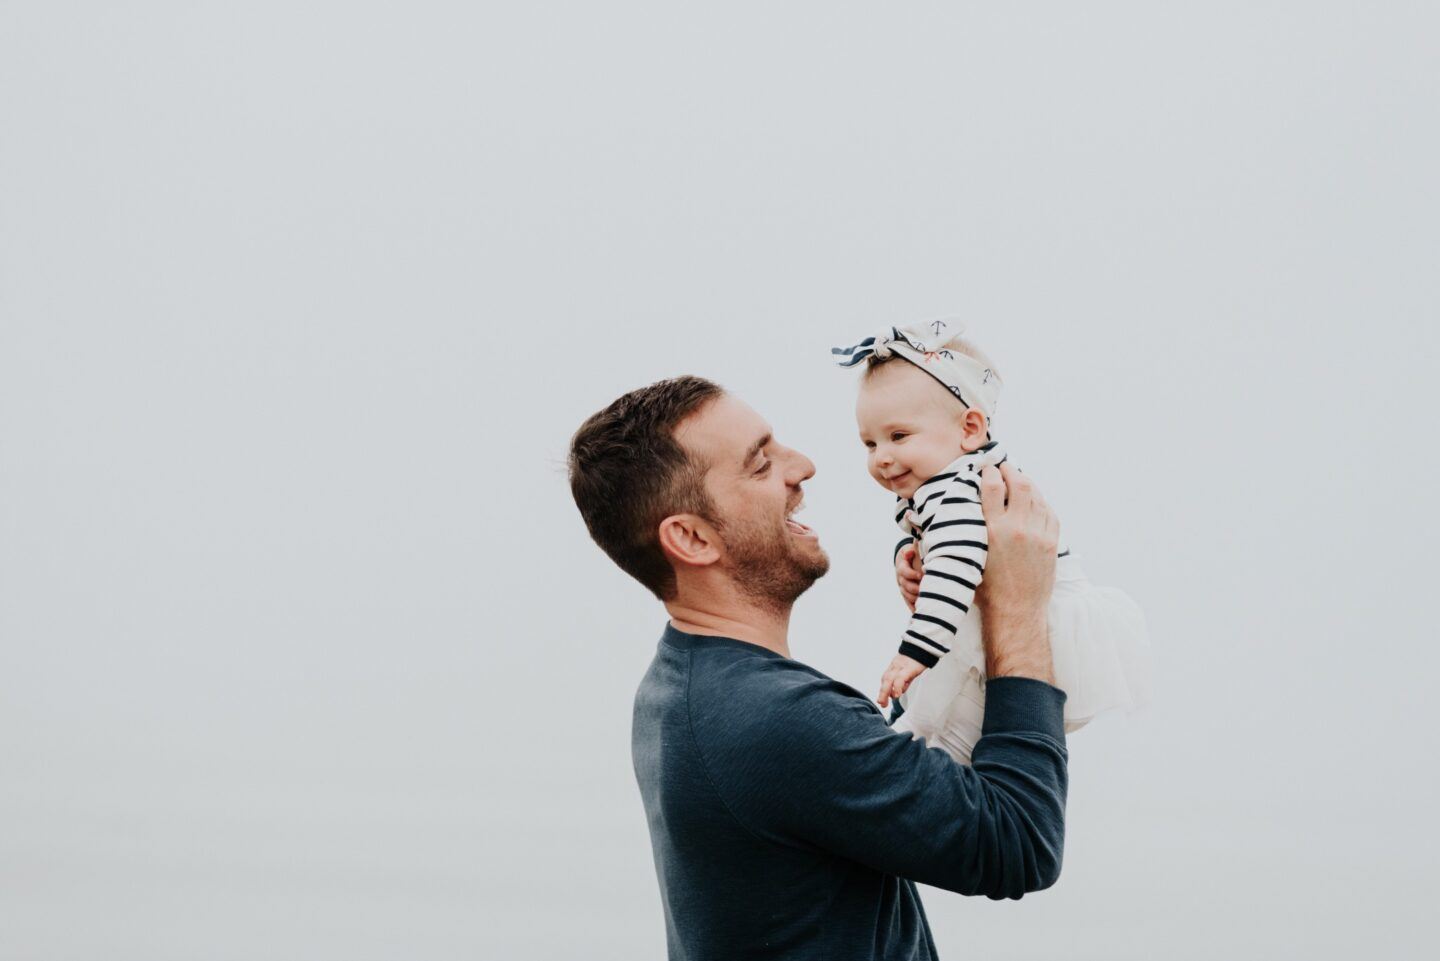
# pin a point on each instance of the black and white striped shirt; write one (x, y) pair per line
(944, 520)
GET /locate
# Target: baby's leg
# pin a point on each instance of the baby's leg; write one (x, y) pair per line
(954, 724)
(963, 721)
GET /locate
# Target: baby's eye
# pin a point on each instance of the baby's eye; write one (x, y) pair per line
(869, 445)
(898, 435)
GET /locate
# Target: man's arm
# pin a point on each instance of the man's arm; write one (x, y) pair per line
(819, 768)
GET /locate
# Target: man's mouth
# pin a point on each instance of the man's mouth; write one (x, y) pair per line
(795, 526)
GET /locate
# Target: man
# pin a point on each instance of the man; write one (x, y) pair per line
(787, 819)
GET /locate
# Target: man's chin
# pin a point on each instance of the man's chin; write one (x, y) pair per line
(782, 578)
(812, 560)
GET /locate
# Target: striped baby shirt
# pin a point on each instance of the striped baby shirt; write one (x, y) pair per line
(943, 519)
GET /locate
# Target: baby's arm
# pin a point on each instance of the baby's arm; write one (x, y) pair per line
(907, 571)
(953, 547)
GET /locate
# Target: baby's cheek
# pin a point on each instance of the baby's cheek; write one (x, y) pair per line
(927, 461)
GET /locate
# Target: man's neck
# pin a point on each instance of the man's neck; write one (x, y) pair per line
(744, 622)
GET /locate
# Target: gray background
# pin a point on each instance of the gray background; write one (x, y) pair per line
(303, 650)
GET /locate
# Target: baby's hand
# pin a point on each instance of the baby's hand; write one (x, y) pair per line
(907, 574)
(898, 675)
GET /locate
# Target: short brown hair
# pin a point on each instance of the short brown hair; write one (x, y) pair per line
(628, 473)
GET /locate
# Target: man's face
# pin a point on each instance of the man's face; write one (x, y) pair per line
(754, 483)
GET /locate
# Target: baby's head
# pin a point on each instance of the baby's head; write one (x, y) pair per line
(912, 425)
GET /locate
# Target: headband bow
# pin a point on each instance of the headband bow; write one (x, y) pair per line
(927, 346)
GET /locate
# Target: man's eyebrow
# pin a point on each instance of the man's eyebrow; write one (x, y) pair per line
(755, 448)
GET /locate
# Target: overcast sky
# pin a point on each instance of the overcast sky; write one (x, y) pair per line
(304, 652)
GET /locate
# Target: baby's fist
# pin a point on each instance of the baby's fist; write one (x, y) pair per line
(898, 676)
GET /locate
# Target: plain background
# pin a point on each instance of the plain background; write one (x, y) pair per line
(304, 652)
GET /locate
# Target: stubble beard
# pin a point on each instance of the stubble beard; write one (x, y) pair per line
(767, 567)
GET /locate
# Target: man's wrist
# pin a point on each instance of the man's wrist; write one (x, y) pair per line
(1022, 704)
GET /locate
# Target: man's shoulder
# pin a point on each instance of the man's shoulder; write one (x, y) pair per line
(737, 694)
(751, 703)
(740, 676)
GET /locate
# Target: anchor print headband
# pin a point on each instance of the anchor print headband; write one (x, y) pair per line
(926, 346)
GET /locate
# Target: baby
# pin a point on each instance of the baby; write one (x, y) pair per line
(924, 412)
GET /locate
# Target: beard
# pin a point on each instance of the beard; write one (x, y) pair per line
(768, 565)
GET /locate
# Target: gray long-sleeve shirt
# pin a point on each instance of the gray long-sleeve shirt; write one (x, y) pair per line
(789, 821)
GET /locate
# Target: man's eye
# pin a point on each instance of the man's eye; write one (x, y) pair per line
(764, 468)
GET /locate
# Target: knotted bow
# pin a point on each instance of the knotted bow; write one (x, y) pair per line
(926, 346)
(880, 346)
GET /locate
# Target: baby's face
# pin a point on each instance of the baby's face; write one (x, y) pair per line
(911, 426)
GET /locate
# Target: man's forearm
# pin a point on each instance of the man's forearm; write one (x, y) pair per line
(1017, 645)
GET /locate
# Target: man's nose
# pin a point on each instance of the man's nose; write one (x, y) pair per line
(802, 468)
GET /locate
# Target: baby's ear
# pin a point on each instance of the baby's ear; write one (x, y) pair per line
(975, 427)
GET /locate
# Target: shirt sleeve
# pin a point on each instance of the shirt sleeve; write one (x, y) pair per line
(953, 546)
(819, 768)
(904, 543)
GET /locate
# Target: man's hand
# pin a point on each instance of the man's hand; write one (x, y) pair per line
(1023, 535)
(897, 678)
(907, 574)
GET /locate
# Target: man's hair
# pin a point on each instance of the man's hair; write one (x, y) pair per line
(628, 473)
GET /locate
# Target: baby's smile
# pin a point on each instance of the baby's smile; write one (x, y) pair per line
(901, 483)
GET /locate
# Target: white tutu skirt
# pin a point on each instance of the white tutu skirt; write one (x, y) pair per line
(1101, 651)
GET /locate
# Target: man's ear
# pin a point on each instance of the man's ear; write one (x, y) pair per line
(689, 539)
(975, 429)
